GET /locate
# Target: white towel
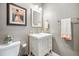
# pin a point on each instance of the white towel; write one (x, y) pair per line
(66, 28)
(46, 25)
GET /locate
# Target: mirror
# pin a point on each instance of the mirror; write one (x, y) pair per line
(36, 18)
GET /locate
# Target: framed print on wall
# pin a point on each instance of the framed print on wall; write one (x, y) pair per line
(16, 15)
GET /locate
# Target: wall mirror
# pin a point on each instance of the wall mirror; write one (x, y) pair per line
(36, 18)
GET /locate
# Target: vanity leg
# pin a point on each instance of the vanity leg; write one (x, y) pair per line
(29, 49)
(50, 52)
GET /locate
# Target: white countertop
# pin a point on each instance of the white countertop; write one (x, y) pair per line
(39, 35)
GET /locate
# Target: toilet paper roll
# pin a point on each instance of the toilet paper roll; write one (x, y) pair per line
(24, 45)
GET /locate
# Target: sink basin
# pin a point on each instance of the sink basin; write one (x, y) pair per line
(39, 35)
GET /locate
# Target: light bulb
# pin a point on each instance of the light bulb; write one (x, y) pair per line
(36, 7)
(40, 9)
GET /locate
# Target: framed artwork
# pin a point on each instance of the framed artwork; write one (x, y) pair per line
(16, 15)
(36, 18)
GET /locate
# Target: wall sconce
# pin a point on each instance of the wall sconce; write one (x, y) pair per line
(37, 7)
(40, 9)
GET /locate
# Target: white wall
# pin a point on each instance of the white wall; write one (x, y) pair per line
(57, 11)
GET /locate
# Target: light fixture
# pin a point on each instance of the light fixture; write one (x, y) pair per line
(40, 9)
(36, 7)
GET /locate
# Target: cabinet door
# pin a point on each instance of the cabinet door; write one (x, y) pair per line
(34, 45)
(50, 42)
(43, 46)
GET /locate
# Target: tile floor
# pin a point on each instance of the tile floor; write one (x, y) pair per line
(50, 54)
(53, 54)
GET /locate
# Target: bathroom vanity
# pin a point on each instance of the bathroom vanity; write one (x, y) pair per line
(40, 43)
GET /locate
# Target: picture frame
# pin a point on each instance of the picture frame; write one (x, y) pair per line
(36, 18)
(16, 15)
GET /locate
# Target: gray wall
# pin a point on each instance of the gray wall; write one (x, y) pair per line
(52, 12)
(55, 12)
(18, 32)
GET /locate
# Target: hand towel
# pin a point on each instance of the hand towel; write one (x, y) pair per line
(66, 28)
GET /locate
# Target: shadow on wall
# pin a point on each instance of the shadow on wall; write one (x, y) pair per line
(55, 47)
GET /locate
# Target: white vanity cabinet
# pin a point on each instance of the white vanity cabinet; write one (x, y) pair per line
(40, 44)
